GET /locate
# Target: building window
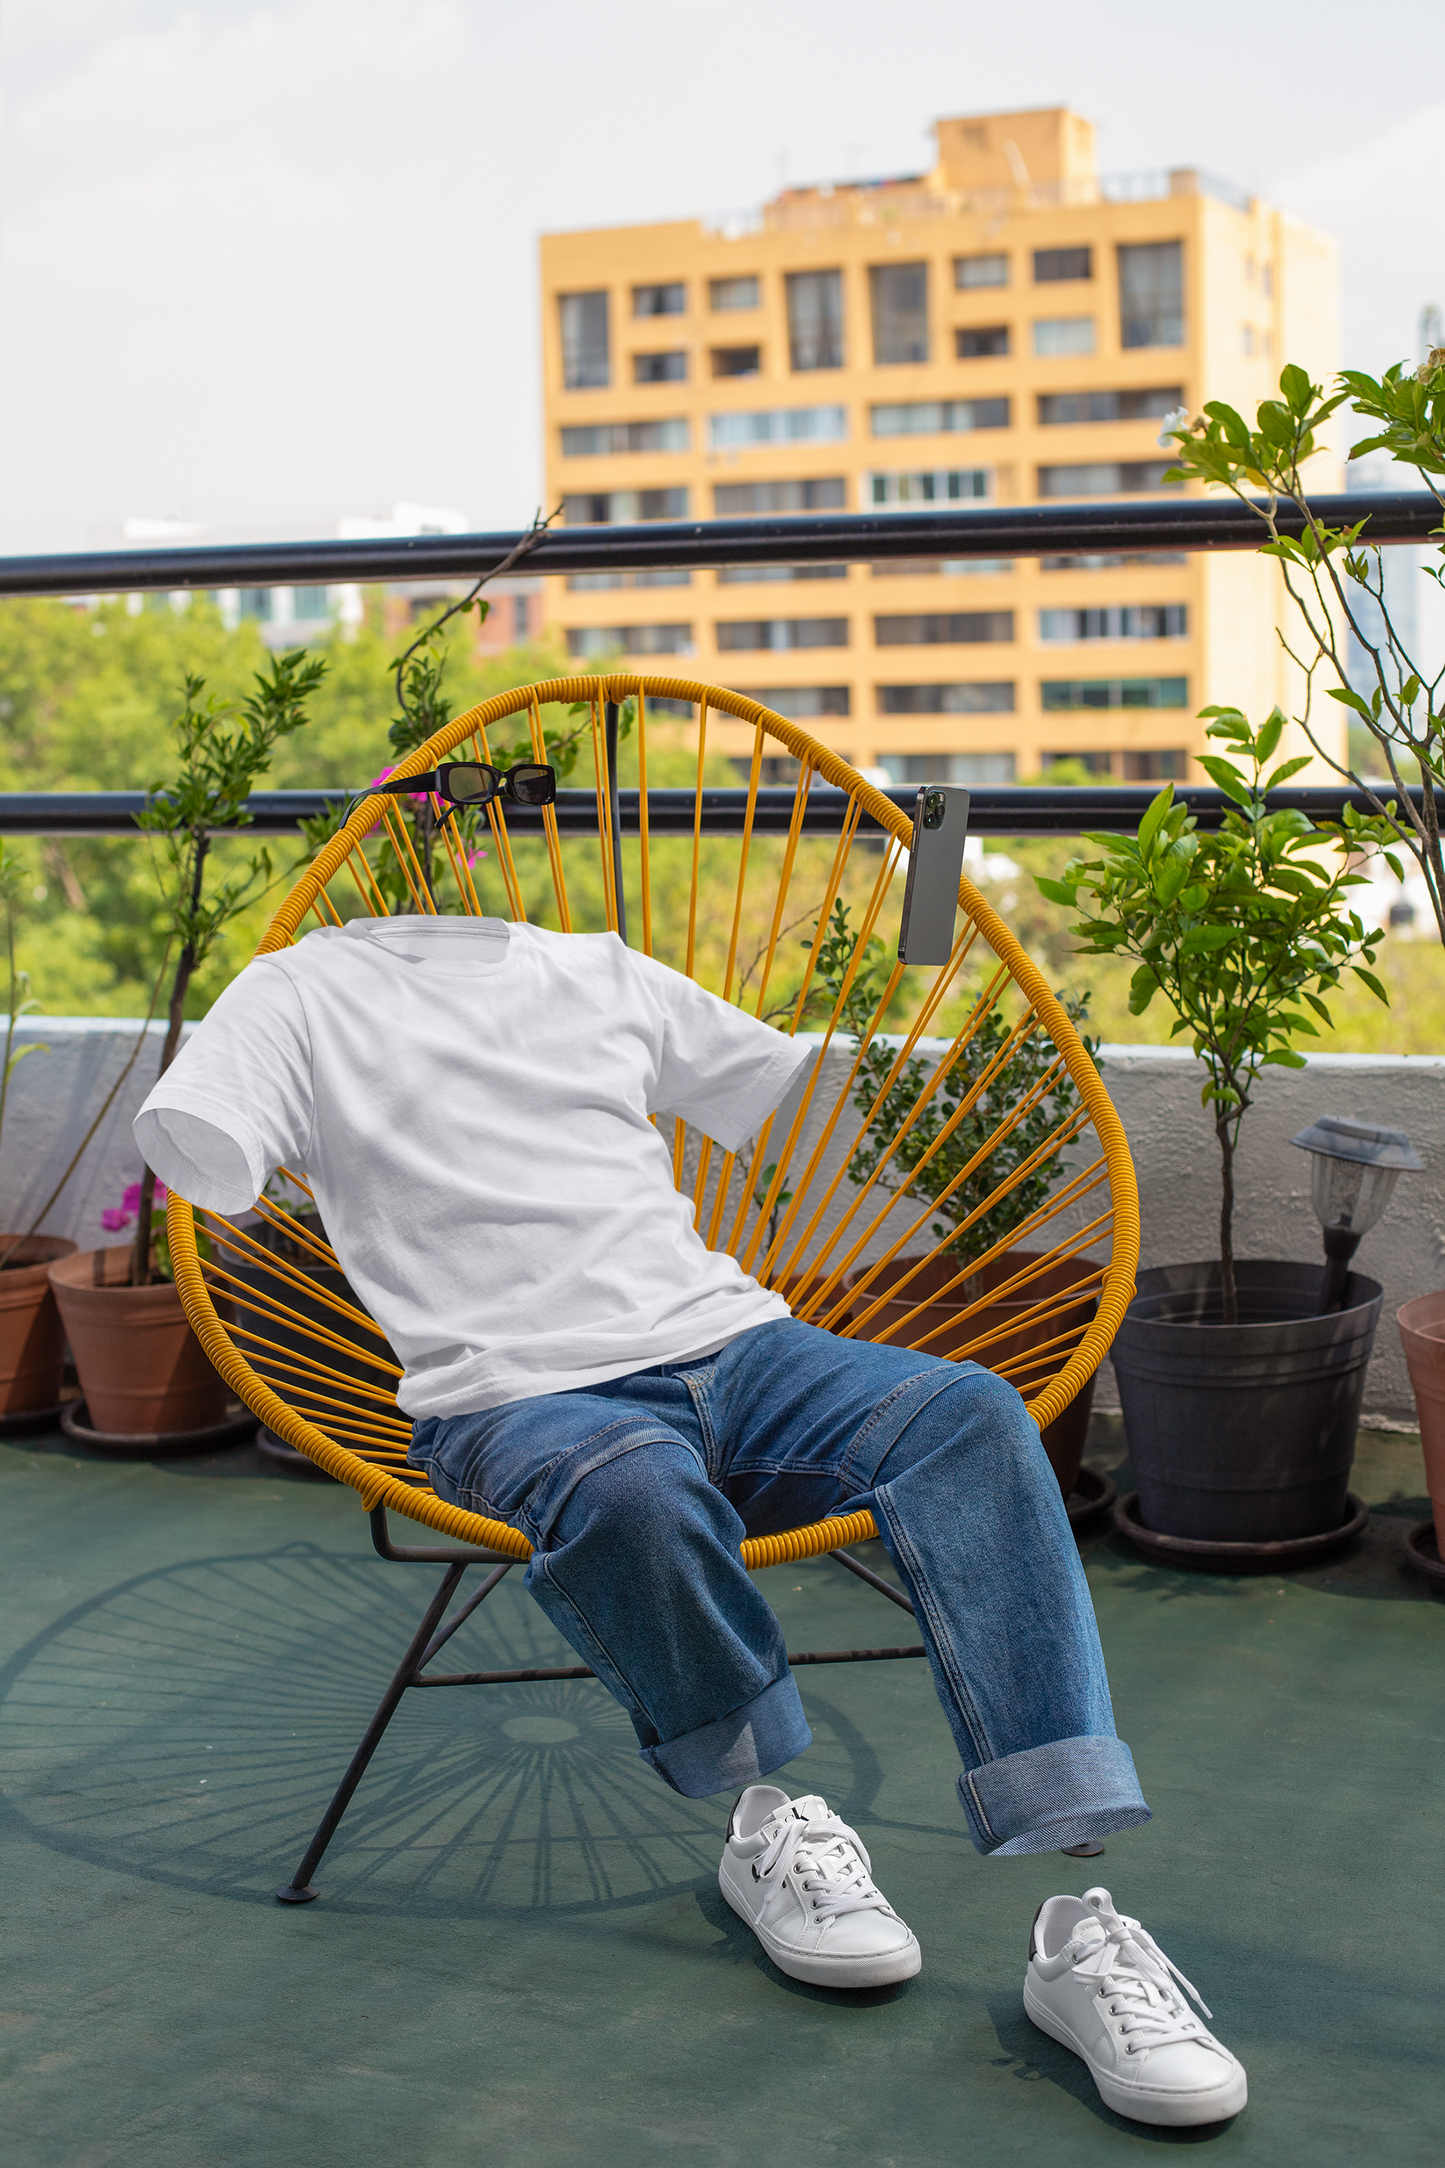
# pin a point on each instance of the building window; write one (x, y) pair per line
(592, 640)
(586, 349)
(965, 771)
(1104, 478)
(953, 568)
(1149, 621)
(815, 319)
(737, 360)
(668, 368)
(1114, 561)
(310, 603)
(939, 417)
(899, 295)
(1058, 409)
(600, 439)
(740, 635)
(666, 300)
(970, 272)
(1266, 280)
(255, 602)
(1051, 265)
(1056, 335)
(1156, 767)
(1091, 763)
(521, 617)
(995, 697)
(732, 293)
(944, 628)
(778, 425)
(749, 575)
(1151, 293)
(1057, 694)
(620, 507)
(947, 485)
(1246, 340)
(582, 583)
(739, 500)
(797, 703)
(979, 341)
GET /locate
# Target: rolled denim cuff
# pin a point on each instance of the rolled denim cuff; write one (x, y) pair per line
(738, 1748)
(1046, 1797)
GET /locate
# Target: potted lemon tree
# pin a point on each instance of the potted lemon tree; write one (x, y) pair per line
(1241, 1390)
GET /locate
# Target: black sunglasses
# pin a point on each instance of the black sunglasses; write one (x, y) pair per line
(472, 782)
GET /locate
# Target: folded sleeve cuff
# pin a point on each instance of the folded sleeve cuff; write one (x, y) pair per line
(1067, 1792)
(738, 1748)
(220, 1167)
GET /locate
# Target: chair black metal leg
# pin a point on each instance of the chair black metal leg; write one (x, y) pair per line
(298, 1890)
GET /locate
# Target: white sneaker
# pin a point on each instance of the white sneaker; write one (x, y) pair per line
(1097, 1983)
(801, 1880)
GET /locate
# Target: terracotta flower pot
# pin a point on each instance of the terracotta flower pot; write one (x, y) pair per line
(142, 1370)
(32, 1338)
(1063, 1438)
(1422, 1329)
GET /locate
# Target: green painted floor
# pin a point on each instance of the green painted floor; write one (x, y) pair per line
(520, 1955)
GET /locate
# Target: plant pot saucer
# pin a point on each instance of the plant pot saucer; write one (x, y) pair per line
(21, 1421)
(1423, 1552)
(153, 1445)
(1090, 1504)
(1294, 1552)
(282, 1455)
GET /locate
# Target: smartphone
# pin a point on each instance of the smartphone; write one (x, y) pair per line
(935, 864)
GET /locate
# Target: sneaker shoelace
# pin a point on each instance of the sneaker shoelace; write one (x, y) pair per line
(1136, 1978)
(827, 1859)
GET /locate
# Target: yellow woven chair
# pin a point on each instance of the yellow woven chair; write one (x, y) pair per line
(751, 916)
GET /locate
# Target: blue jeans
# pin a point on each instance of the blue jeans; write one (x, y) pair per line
(637, 1493)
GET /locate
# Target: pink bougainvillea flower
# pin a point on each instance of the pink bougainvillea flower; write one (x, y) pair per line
(117, 1216)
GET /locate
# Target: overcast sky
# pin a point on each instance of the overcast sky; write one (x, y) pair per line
(265, 265)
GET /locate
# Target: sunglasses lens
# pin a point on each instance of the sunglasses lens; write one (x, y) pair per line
(533, 785)
(466, 784)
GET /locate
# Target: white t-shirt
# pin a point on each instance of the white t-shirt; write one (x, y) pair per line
(469, 1101)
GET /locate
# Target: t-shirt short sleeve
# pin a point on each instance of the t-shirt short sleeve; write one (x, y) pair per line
(236, 1103)
(720, 1069)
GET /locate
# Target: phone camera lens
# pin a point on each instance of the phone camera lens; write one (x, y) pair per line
(934, 807)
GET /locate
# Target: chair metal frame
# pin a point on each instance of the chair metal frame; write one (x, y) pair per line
(346, 1420)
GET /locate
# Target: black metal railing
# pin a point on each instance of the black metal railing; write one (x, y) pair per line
(1034, 530)
(1014, 810)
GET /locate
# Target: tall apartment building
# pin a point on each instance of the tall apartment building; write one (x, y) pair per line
(1007, 329)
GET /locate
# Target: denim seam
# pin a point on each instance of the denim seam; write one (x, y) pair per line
(942, 1646)
(597, 1647)
(533, 1529)
(966, 1777)
(697, 1383)
(885, 1408)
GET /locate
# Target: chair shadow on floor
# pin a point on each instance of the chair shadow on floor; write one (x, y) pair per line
(189, 1725)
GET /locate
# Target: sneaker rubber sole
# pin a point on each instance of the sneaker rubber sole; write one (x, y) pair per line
(876, 1970)
(1139, 2103)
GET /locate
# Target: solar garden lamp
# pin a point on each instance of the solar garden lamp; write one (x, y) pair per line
(1354, 1167)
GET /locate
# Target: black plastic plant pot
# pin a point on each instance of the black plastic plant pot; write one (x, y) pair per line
(1243, 1433)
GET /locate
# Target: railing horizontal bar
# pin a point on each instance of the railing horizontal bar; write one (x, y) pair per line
(1005, 810)
(1157, 523)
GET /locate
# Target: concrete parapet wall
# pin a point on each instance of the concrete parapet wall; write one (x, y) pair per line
(53, 1096)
